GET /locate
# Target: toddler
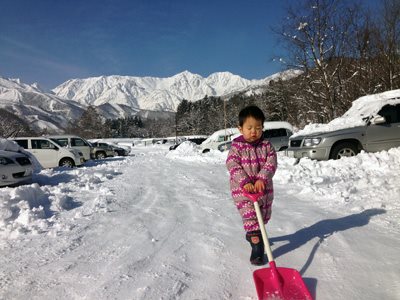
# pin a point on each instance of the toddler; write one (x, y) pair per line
(252, 163)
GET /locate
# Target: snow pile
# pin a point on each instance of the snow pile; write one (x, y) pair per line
(24, 209)
(368, 180)
(34, 208)
(190, 151)
(363, 107)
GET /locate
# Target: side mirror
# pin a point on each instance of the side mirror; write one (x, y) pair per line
(378, 120)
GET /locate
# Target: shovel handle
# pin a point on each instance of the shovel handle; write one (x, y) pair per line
(267, 247)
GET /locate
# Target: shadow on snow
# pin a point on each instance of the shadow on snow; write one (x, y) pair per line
(321, 230)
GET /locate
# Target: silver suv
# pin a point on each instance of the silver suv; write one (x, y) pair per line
(372, 124)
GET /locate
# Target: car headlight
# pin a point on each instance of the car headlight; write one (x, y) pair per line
(5, 161)
(308, 142)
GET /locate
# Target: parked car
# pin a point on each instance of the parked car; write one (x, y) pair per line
(277, 132)
(197, 140)
(217, 138)
(73, 141)
(101, 150)
(372, 124)
(118, 151)
(15, 168)
(49, 154)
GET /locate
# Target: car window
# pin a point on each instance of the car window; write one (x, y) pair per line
(220, 138)
(22, 143)
(279, 132)
(391, 113)
(42, 144)
(77, 142)
(61, 141)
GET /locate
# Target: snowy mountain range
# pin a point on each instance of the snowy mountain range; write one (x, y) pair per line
(119, 96)
(159, 94)
(40, 109)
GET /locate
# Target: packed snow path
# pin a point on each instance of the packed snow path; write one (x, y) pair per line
(155, 227)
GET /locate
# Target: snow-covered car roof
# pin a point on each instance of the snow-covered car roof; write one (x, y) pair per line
(277, 125)
(8, 145)
(216, 134)
(361, 108)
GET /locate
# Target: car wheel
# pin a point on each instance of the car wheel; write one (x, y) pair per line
(116, 153)
(66, 162)
(100, 155)
(345, 149)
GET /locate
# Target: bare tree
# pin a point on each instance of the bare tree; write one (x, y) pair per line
(389, 43)
(12, 125)
(318, 35)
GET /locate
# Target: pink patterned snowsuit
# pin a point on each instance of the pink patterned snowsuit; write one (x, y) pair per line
(248, 162)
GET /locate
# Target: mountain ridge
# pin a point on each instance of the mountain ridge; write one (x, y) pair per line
(118, 96)
(156, 93)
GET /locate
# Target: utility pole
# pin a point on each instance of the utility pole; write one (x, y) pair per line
(225, 137)
(176, 129)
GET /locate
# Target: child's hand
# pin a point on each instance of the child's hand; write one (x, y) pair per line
(249, 187)
(259, 186)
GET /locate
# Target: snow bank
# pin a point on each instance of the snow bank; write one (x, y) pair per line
(353, 184)
(34, 208)
(190, 151)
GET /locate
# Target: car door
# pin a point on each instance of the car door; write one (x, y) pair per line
(81, 145)
(387, 135)
(45, 152)
(278, 138)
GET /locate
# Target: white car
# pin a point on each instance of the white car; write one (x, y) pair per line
(73, 141)
(50, 154)
(15, 168)
(217, 138)
(277, 132)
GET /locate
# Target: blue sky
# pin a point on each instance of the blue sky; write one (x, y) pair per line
(49, 41)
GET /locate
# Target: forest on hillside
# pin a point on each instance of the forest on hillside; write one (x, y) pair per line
(342, 49)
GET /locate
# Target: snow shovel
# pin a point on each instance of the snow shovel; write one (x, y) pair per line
(276, 282)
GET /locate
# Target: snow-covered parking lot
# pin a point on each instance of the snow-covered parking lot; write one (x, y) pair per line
(161, 225)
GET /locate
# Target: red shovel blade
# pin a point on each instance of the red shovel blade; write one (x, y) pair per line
(280, 283)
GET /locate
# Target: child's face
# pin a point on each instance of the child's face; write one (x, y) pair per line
(252, 129)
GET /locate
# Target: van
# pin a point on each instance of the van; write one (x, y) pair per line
(73, 141)
(50, 154)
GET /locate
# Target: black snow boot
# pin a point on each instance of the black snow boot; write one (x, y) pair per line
(257, 247)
